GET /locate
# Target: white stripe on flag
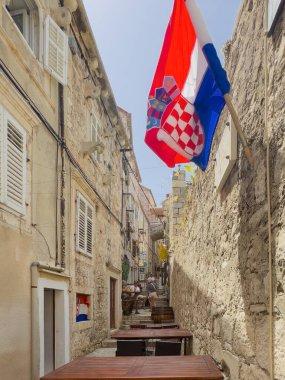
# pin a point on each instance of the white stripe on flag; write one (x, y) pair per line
(198, 23)
(196, 74)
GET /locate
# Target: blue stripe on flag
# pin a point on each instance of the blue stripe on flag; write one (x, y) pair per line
(209, 104)
(218, 71)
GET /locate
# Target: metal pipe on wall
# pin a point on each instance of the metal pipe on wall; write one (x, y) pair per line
(268, 184)
(62, 175)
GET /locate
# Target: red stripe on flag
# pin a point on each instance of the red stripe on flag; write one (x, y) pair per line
(179, 41)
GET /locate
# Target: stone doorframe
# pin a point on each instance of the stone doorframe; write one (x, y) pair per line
(41, 280)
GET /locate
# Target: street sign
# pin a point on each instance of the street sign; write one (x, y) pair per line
(274, 8)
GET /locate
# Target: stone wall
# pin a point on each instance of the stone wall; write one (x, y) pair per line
(31, 244)
(220, 270)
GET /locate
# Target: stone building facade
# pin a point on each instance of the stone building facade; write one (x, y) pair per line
(61, 171)
(136, 229)
(222, 272)
(156, 230)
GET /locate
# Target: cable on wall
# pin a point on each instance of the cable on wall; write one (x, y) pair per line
(40, 116)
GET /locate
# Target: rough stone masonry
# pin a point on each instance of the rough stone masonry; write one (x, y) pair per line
(220, 268)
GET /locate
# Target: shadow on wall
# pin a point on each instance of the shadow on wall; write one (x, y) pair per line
(234, 330)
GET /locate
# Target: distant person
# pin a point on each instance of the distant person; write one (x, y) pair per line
(152, 295)
(154, 283)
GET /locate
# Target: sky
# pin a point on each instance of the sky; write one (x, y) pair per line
(129, 35)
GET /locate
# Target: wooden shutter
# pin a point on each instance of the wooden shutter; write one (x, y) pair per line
(89, 228)
(14, 164)
(1, 155)
(81, 228)
(84, 226)
(56, 51)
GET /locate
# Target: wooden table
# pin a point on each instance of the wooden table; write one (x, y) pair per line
(139, 367)
(155, 334)
(161, 325)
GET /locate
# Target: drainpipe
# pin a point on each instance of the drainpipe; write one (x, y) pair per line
(268, 184)
(62, 175)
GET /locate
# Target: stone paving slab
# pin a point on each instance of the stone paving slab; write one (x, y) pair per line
(103, 352)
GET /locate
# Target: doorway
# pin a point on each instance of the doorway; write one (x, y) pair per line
(49, 331)
(54, 329)
(112, 303)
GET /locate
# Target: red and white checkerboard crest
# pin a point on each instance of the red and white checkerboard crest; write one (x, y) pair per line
(185, 129)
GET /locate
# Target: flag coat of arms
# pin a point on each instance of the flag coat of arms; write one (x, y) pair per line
(186, 96)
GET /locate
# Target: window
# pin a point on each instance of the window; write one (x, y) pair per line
(56, 49)
(84, 226)
(12, 162)
(96, 137)
(82, 307)
(26, 17)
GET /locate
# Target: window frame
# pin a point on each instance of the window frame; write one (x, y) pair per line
(29, 31)
(26, 23)
(84, 251)
(5, 119)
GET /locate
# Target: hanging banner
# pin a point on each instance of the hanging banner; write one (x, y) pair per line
(162, 252)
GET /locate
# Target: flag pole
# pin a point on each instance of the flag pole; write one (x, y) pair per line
(237, 125)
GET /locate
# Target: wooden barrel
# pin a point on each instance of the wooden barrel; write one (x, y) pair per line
(160, 314)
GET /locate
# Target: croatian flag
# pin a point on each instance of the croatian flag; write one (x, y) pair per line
(186, 97)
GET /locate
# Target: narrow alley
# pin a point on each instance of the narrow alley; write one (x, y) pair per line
(142, 183)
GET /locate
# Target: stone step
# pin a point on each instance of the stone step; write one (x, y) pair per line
(112, 343)
(125, 327)
(135, 318)
(109, 343)
(103, 352)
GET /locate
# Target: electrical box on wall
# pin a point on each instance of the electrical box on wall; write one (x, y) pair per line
(226, 155)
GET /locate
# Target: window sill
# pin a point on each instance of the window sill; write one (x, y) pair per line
(85, 254)
(83, 325)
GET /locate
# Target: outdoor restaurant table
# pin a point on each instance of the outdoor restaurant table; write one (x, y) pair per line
(155, 334)
(160, 325)
(138, 367)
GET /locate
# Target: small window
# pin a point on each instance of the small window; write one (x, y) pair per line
(96, 137)
(82, 307)
(84, 226)
(26, 17)
(56, 50)
(12, 162)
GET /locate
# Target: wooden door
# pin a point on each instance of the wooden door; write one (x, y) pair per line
(112, 303)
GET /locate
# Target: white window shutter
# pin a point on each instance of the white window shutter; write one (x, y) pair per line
(84, 226)
(89, 228)
(15, 165)
(1, 154)
(81, 224)
(56, 51)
